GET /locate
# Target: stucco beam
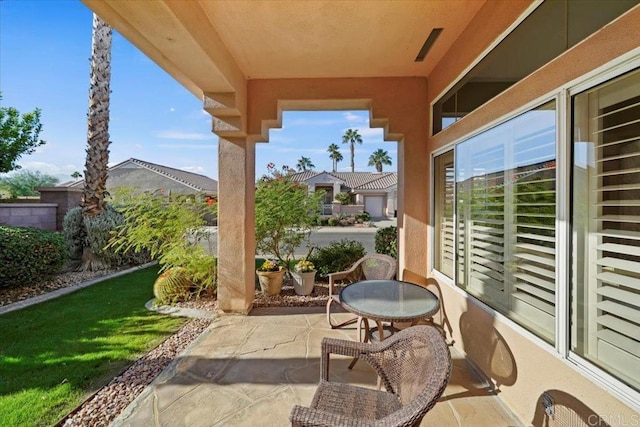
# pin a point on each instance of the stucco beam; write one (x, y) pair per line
(195, 19)
(129, 31)
(180, 38)
(271, 96)
(226, 127)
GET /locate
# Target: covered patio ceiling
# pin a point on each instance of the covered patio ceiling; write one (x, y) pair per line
(215, 46)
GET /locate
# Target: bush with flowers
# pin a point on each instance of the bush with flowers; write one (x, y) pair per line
(269, 266)
(304, 266)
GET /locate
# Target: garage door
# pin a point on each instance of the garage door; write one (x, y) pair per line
(374, 205)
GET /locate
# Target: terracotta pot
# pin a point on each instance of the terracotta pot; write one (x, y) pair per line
(270, 281)
(303, 282)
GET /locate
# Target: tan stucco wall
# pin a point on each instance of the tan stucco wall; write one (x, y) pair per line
(534, 369)
(399, 105)
(523, 370)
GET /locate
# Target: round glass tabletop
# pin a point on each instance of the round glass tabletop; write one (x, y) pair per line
(389, 300)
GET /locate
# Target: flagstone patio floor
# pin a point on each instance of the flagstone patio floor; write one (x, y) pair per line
(251, 370)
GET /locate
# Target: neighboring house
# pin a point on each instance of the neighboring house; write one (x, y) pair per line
(146, 176)
(376, 191)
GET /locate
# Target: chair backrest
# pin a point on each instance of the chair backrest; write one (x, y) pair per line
(416, 367)
(376, 266)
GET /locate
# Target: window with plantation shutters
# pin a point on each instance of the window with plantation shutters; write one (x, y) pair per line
(605, 292)
(505, 209)
(444, 206)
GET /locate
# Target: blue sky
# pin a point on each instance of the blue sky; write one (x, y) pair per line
(45, 48)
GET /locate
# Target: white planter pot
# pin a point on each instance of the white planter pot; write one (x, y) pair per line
(303, 282)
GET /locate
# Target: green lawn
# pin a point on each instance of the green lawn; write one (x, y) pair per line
(53, 355)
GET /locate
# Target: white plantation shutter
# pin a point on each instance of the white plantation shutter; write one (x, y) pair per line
(445, 186)
(613, 271)
(486, 224)
(534, 201)
(506, 198)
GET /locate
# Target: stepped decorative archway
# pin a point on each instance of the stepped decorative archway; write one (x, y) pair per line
(397, 105)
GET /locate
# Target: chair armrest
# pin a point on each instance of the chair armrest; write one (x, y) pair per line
(333, 277)
(339, 275)
(344, 348)
(308, 417)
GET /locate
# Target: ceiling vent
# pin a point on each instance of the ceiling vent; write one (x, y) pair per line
(428, 43)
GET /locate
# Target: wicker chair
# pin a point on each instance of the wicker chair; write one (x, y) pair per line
(369, 267)
(414, 365)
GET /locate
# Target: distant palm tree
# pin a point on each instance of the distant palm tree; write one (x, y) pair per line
(378, 158)
(352, 137)
(335, 155)
(304, 164)
(76, 175)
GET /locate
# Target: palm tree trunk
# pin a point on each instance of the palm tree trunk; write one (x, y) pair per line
(97, 159)
(353, 165)
(98, 120)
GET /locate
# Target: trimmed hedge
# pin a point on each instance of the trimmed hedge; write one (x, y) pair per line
(338, 256)
(386, 241)
(29, 255)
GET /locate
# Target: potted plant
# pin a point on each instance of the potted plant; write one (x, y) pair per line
(304, 277)
(270, 276)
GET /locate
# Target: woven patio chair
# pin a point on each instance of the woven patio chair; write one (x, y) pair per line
(369, 267)
(414, 366)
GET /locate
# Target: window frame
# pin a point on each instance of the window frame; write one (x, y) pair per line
(564, 163)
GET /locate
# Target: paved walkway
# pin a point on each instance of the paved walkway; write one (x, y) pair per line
(251, 370)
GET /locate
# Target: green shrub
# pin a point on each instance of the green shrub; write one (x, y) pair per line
(324, 221)
(347, 221)
(101, 229)
(29, 255)
(344, 198)
(364, 216)
(170, 230)
(338, 256)
(74, 232)
(333, 221)
(386, 241)
(95, 233)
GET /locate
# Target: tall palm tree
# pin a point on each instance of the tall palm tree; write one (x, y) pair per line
(97, 159)
(304, 164)
(335, 155)
(378, 158)
(352, 137)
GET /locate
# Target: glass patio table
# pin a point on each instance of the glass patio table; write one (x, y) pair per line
(388, 301)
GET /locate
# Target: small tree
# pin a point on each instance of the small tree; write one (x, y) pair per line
(23, 183)
(19, 134)
(170, 231)
(285, 214)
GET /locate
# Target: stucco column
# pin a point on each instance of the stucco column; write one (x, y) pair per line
(236, 229)
(336, 189)
(413, 203)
